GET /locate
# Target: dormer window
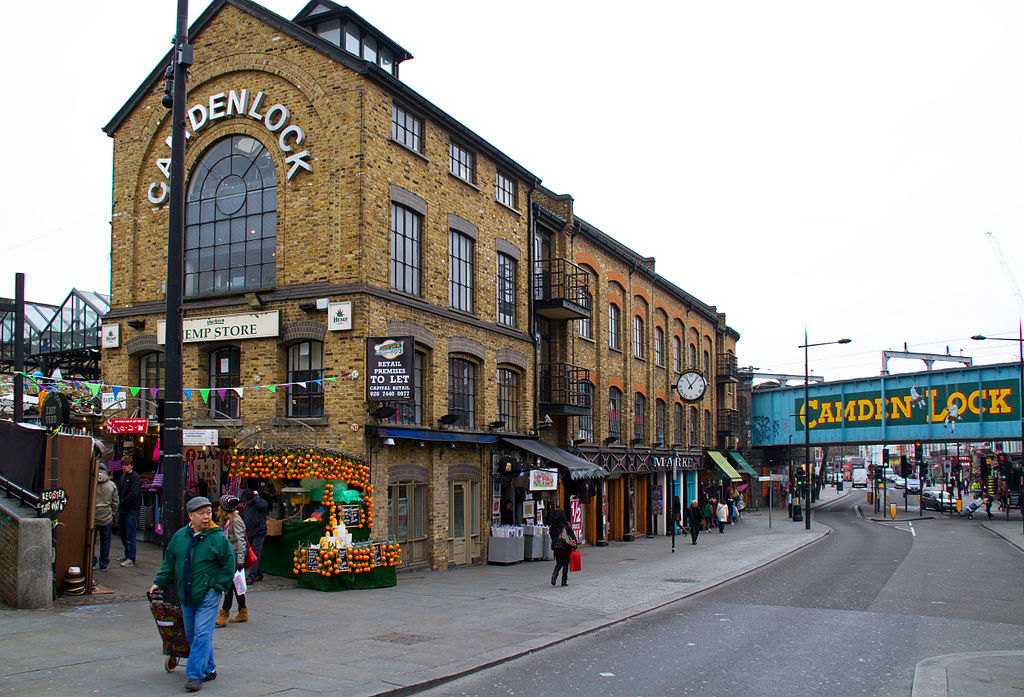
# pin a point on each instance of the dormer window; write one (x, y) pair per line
(345, 29)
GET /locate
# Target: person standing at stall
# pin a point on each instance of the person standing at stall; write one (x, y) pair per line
(234, 529)
(694, 519)
(106, 511)
(563, 542)
(254, 513)
(129, 492)
(200, 563)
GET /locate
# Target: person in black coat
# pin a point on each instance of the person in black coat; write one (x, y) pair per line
(254, 514)
(677, 519)
(694, 519)
(558, 523)
(129, 494)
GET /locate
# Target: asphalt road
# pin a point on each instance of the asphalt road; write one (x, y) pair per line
(849, 616)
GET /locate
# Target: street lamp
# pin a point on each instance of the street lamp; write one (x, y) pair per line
(1020, 405)
(807, 423)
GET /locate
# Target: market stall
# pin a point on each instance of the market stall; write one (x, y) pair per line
(327, 507)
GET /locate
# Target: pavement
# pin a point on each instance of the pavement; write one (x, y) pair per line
(431, 627)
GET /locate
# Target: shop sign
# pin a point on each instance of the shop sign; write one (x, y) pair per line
(52, 502)
(576, 516)
(251, 325)
(339, 316)
(109, 400)
(200, 436)
(389, 368)
(237, 103)
(111, 336)
(56, 410)
(127, 426)
(543, 480)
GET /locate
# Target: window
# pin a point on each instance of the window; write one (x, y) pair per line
(231, 219)
(151, 377)
(461, 162)
(505, 190)
(407, 511)
(358, 43)
(677, 423)
(614, 327)
(506, 290)
(585, 424)
(659, 346)
(406, 230)
(638, 336)
(691, 363)
(639, 411)
(707, 427)
(677, 354)
(407, 412)
(462, 392)
(406, 128)
(460, 271)
(615, 413)
(329, 30)
(305, 378)
(694, 425)
(659, 422)
(586, 328)
(704, 368)
(508, 399)
(225, 372)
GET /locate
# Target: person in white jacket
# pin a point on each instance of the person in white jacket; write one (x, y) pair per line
(722, 515)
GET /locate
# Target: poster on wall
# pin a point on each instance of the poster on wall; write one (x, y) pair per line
(389, 368)
(543, 480)
(576, 517)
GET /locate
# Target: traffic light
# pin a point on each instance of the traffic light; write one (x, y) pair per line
(880, 474)
(1004, 465)
(801, 477)
(904, 467)
(918, 456)
(885, 458)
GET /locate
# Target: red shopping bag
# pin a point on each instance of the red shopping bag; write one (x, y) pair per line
(574, 560)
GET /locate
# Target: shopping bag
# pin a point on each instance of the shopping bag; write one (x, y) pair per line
(574, 560)
(250, 556)
(239, 582)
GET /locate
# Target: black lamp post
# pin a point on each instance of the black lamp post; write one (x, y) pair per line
(807, 424)
(1020, 406)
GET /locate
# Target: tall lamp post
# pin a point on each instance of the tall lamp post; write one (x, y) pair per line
(1020, 407)
(807, 424)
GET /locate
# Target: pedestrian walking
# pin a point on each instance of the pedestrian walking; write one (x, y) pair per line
(200, 563)
(563, 542)
(694, 519)
(988, 506)
(677, 519)
(103, 520)
(234, 528)
(254, 513)
(129, 492)
(722, 515)
(708, 511)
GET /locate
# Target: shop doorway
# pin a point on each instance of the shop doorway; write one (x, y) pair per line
(463, 521)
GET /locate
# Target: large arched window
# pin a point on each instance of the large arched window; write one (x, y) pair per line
(231, 219)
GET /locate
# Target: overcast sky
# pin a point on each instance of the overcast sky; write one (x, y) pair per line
(833, 165)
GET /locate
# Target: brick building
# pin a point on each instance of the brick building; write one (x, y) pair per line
(330, 207)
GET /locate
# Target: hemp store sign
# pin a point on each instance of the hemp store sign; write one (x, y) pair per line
(252, 325)
(239, 103)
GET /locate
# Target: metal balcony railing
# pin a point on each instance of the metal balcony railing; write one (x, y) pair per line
(729, 422)
(565, 389)
(727, 370)
(561, 289)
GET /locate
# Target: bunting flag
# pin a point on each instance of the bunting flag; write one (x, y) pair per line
(153, 391)
(94, 387)
(188, 396)
(221, 392)
(117, 390)
(134, 391)
(205, 393)
(238, 391)
(272, 388)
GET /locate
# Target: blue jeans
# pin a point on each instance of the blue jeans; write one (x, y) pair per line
(127, 522)
(104, 533)
(199, 632)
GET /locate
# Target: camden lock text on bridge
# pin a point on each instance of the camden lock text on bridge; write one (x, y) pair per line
(238, 103)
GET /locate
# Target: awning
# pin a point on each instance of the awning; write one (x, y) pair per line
(742, 462)
(577, 466)
(724, 465)
(434, 435)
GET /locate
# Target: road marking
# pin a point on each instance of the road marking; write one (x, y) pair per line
(607, 675)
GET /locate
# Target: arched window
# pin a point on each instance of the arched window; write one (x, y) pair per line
(677, 424)
(305, 379)
(638, 337)
(508, 399)
(613, 326)
(614, 413)
(659, 421)
(225, 373)
(639, 412)
(659, 346)
(462, 391)
(231, 219)
(677, 354)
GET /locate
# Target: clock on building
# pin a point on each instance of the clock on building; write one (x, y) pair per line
(691, 386)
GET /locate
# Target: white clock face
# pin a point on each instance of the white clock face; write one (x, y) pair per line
(691, 386)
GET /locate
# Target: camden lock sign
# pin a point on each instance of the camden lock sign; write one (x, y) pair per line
(239, 103)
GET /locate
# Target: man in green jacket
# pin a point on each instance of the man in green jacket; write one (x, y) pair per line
(200, 562)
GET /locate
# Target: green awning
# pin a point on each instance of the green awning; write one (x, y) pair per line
(742, 462)
(724, 465)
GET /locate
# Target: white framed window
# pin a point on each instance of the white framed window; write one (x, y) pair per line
(407, 128)
(505, 189)
(461, 162)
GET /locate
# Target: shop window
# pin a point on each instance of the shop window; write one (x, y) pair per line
(614, 327)
(151, 376)
(677, 354)
(461, 162)
(506, 290)
(462, 392)
(407, 412)
(677, 424)
(639, 414)
(231, 219)
(305, 378)
(460, 271)
(659, 346)
(659, 421)
(225, 373)
(407, 519)
(638, 336)
(407, 128)
(508, 399)
(406, 231)
(615, 414)
(505, 189)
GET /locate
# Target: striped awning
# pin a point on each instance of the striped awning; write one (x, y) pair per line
(742, 462)
(723, 464)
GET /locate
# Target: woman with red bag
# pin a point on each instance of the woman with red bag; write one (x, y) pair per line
(563, 542)
(234, 529)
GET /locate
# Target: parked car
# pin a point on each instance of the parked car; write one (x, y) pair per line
(913, 485)
(937, 499)
(898, 482)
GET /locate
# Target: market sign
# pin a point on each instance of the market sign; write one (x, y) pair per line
(251, 325)
(389, 368)
(200, 436)
(126, 426)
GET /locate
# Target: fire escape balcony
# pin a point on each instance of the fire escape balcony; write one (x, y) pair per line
(729, 422)
(564, 390)
(727, 370)
(561, 290)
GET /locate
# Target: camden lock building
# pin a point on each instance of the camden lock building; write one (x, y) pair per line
(363, 272)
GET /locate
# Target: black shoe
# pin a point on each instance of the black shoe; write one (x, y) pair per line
(553, 579)
(193, 685)
(564, 583)
(210, 676)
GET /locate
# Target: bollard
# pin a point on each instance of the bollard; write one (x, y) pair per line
(869, 497)
(959, 505)
(892, 510)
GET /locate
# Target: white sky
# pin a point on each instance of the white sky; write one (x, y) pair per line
(820, 163)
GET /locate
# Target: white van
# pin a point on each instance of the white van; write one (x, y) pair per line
(860, 477)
